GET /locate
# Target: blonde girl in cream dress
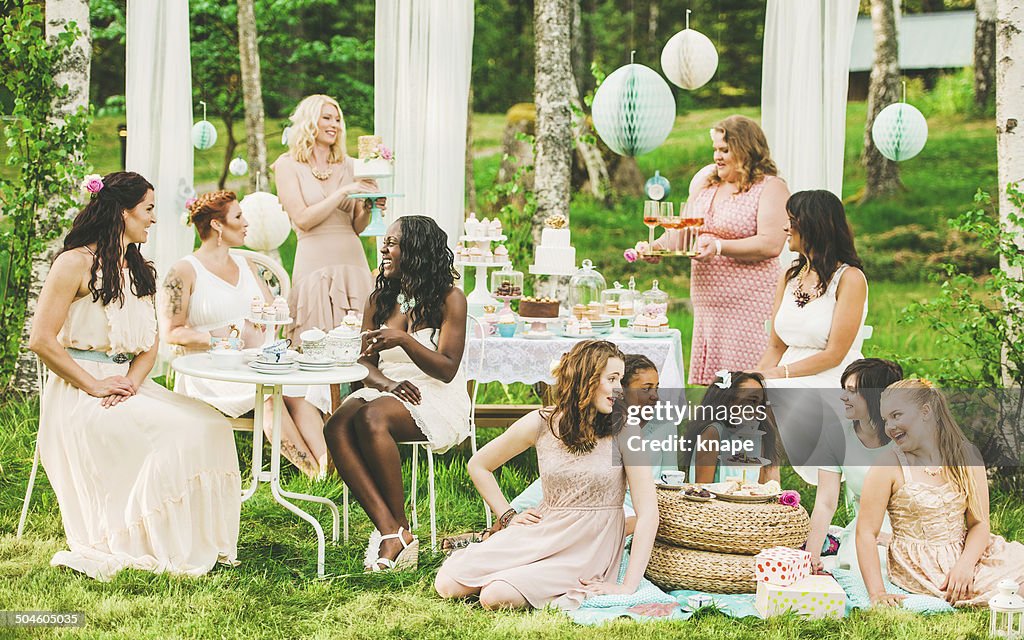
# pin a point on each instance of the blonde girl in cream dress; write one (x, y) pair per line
(145, 478)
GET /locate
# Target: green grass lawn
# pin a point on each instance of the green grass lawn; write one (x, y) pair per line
(274, 592)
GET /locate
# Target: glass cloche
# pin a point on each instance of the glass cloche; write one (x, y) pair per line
(654, 301)
(619, 301)
(507, 282)
(586, 289)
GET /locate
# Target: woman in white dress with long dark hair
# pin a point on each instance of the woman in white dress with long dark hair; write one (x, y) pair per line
(145, 478)
(821, 303)
(415, 324)
(211, 290)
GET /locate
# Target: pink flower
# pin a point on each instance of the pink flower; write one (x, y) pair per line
(191, 201)
(630, 255)
(789, 498)
(385, 153)
(93, 183)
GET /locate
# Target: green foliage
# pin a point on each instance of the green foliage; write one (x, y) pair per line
(981, 315)
(951, 95)
(514, 206)
(43, 159)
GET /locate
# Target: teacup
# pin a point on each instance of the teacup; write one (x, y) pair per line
(275, 351)
(314, 343)
(506, 329)
(675, 478)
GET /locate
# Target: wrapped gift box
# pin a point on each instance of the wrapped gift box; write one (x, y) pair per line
(781, 566)
(813, 596)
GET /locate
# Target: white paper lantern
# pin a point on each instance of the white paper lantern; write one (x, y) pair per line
(689, 59)
(899, 131)
(204, 135)
(268, 223)
(238, 167)
(633, 110)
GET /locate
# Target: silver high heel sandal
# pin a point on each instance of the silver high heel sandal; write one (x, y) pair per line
(406, 560)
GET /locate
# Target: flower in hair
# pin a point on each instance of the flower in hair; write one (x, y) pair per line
(926, 382)
(186, 218)
(92, 183)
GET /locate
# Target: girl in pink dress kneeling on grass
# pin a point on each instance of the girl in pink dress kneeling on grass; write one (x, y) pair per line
(570, 546)
(934, 487)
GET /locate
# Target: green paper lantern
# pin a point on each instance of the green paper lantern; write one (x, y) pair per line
(899, 131)
(204, 135)
(634, 110)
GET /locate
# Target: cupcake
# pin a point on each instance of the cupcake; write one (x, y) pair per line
(506, 324)
(351, 322)
(578, 310)
(572, 326)
(281, 312)
(476, 255)
(495, 229)
(487, 255)
(472, 225)
(269, 312)
(641, 324)
(586, 328)
(500, 253)
(483, 229)
(660, 324)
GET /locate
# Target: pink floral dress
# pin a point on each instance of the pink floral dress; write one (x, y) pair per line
(732, 300)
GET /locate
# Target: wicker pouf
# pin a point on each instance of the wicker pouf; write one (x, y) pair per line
(677, 568)
(729, 527)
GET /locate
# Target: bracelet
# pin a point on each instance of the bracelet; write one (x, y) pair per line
(507, 517)
(718, 247)
(785, 368)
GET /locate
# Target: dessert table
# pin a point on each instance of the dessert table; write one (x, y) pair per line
(201, 365)
(520, 359)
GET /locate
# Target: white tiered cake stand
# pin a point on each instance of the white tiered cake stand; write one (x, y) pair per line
(480, 297)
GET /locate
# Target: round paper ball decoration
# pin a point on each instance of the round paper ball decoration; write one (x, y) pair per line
(633, 110)
(899, 131)
(689, 59)
(204, 135)
(268, 223)
(238, 167)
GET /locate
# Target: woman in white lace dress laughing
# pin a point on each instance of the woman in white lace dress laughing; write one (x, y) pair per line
(414, 335)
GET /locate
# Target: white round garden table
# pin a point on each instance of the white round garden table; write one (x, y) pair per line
(201, 365)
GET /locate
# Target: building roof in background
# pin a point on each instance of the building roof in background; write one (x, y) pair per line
(927, 41)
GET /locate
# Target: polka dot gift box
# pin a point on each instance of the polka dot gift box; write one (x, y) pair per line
(781, 565)
(813, 596)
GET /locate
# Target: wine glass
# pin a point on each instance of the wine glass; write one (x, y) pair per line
(651, 211)
(693, 222)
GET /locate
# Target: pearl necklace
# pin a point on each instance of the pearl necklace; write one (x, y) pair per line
(321, 175)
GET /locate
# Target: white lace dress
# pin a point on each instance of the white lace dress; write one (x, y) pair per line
(151, 483)
(443, 412)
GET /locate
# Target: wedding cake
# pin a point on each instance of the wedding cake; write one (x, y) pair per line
(375, 160)
(555, 255)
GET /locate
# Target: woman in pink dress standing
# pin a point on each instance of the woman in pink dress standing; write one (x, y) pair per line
(735, 270)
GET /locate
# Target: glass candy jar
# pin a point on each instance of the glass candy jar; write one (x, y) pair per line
(654, 301)
(619, 301)
(507, 283)
(585, 291)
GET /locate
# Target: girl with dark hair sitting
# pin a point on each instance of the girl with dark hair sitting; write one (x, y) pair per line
(145, 478)
(571, 545)
(415, 333)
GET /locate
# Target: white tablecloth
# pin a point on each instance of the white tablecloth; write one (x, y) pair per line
(523, 360)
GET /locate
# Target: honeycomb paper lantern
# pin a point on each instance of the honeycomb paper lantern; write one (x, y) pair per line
(689, 59)
(238, 167)
(633, 110)
(204, 135)
(268, 223)
(899, 131)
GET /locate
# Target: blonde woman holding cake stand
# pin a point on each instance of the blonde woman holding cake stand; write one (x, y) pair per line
(315, 181)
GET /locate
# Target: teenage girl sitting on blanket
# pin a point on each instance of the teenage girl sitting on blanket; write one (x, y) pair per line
(934, 487)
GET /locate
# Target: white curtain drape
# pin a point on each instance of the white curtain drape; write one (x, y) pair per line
(422, 62)
(804, 78)
(158, 100)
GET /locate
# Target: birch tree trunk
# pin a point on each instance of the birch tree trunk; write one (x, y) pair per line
(984, 51)
(252, 91)
(1009, 116)
(882, 175)
(553, 90)
(73, 72)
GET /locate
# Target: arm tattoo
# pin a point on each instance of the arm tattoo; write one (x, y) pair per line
(173, 286)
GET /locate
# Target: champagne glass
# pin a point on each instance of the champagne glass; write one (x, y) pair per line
(693, 220)
(651, 210)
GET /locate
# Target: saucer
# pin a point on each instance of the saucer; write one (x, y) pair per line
(273, 370)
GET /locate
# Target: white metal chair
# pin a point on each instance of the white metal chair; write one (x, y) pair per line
(477, 328)
(41, 382)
